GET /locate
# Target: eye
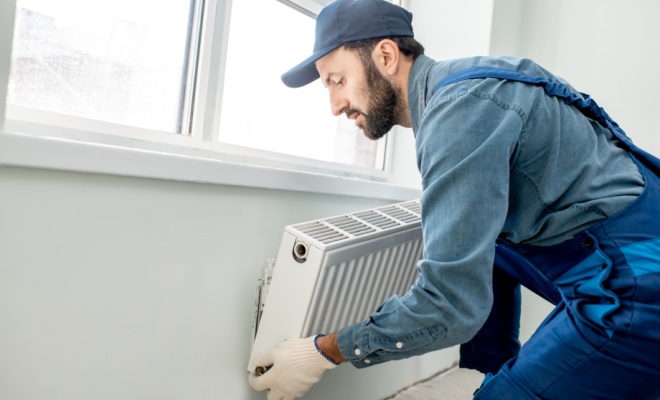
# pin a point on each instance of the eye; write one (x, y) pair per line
(341, 82)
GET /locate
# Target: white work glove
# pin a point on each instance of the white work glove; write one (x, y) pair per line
(295, 365)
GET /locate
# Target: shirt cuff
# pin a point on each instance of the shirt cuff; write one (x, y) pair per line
(353, 342)
(362, 346)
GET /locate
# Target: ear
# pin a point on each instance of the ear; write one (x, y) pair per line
(386, 57)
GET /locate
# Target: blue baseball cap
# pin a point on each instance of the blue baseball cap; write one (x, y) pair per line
(345, 21)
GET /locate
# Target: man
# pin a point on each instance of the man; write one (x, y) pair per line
(524, 181)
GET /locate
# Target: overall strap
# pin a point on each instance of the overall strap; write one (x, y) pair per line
(583, 102)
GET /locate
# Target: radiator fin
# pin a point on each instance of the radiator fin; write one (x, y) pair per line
(336, 229)
(350, 225)
(358, 286)
(377, 219)
(321, 232)
(414, 207)
(399, 214)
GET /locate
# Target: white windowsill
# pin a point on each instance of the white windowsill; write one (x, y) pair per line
(31, 151)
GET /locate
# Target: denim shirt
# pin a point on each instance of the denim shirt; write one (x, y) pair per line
(497, 159)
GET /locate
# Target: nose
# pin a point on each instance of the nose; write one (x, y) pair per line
(338, 103)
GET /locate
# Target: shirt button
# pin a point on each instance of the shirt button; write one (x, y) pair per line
(357, 352)
(367, 361)
(399, 345)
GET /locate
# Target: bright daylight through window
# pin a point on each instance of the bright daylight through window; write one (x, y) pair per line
(120, 61)
(266, 39)
(132, 64)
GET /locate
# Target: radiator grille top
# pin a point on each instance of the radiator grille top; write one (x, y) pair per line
(338, 229)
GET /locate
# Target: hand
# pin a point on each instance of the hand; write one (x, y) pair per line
(293, 367)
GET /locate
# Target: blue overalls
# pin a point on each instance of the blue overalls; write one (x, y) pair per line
(602, 341)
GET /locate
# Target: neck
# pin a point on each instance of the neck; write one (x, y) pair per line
(401, 80)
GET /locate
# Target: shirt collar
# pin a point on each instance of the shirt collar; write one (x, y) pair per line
(418, 89)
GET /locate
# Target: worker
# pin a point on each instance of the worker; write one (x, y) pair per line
(525, 181)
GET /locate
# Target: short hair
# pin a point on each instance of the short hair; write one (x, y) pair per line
(408, 45)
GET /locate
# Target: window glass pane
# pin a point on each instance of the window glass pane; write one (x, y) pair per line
(267, 38)
(122, 61)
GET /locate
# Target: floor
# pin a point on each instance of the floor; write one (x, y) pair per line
(455, 384)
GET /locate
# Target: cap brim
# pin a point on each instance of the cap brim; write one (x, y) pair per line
(306, 71)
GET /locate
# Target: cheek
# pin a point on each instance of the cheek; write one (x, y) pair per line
(362, 98)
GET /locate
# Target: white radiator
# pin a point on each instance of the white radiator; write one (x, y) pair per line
(332, 272)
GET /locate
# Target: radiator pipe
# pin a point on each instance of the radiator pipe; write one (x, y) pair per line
(300, 251)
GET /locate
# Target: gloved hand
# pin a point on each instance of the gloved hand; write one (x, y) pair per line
(295, 365)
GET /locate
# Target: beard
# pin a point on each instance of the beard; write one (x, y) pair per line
(383, 102)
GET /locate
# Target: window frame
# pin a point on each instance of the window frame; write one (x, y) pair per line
(200, 143)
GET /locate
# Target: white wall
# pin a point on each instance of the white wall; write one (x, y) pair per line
(125, 288)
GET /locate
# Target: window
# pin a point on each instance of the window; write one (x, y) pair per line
(144, 69)
(259, 111)
(122, 61)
